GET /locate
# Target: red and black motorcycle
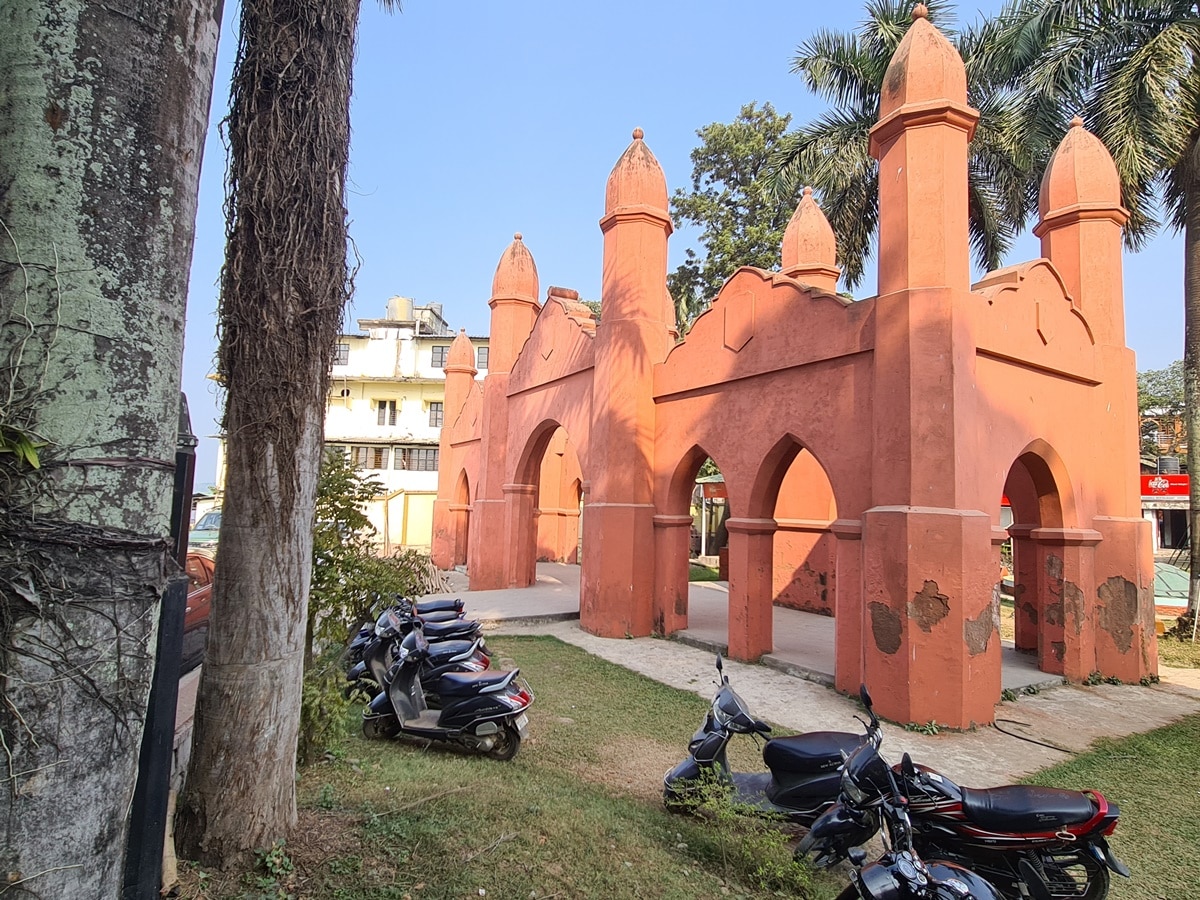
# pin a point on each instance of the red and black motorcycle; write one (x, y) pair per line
(1031, 843)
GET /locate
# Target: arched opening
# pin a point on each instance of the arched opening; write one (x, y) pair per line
(793, 491)
(1038, 596)
(544, 505)
(690, 539)
(559, 502)
(460, 511)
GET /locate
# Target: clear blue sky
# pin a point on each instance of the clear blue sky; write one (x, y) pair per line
(474, 120)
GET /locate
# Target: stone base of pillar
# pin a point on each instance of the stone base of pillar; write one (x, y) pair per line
(931, 629)
(616, 583)
(1126, 646)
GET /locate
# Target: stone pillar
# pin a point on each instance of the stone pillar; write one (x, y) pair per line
(1026, 605)
(1066, 627)
(672, 537)
(1125, 639)
(617, 582)
(932, 651)
(751, 611)
(849, 633)
(461, 516)
(520, 551)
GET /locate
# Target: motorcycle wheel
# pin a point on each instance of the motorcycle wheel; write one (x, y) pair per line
(381, 727)
(508, 742)
(1075, 876)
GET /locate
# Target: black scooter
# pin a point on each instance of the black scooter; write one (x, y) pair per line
(805, 769)
(483, 712)
(367, 675)
(443, 610)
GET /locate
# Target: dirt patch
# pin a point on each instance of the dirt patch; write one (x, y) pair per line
(633, 768)
(319, 836)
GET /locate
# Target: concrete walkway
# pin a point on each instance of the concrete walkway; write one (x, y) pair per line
(1067, 719)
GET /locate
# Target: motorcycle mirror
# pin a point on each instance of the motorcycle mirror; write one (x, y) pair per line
(720, 666)
(907, 769)
(864, 696)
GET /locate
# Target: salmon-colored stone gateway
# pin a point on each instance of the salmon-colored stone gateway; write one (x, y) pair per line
(865, 445)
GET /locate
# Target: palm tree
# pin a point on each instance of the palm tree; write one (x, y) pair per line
(831, 154)
(283, 289)
(1130, 68)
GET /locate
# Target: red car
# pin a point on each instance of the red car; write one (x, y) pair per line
(199, 607)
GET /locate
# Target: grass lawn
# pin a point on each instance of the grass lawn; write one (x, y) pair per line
(578, 812)
(1181, 654)
(702, 573)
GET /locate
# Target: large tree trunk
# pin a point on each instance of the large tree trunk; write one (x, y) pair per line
(1191, 363)
(103, 111)
(283, 289)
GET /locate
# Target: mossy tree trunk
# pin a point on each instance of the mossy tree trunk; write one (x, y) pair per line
(283, 290)
(103, 112)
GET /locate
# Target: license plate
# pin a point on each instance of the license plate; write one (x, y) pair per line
(522, 723)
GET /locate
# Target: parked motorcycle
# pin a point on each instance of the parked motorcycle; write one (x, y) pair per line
(1032, 843)
(901, 873)
(441, 610)
(481, 711)
(804, 770)
(367, 675)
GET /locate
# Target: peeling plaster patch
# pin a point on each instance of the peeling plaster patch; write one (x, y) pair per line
(978, 631)
(1059, 649)
(886, 627)
(1053, 614)
(1054, 567)
(929, 607)
(1030, 611)
(1118, 613)
(1072, 605)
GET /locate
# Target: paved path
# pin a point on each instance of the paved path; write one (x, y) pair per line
(1070, 718)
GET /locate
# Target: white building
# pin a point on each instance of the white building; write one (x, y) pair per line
(385, 409)
(386, 395)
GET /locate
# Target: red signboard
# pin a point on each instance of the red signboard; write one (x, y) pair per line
(1164, 486)
(714, 490)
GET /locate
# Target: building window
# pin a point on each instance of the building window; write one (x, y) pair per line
(439, 356)
(369, 457)
(417, 459)
(386, 410)
(481, 357)
(435, 415)
(342, 356)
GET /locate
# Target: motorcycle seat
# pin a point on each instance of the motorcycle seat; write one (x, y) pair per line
(1020, 808)
(473, 682)
(458, 628)
(809, 752)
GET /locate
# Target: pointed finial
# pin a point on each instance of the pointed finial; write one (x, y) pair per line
(1077, 122)
(920, 11)
(638, 134)
(517, 236)
(807, 191)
